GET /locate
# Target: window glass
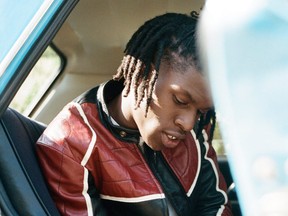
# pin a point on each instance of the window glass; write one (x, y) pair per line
(21, 24)
(218, 141)
(36, 84)
(17, 23)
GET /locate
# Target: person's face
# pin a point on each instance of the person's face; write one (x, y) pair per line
(178, 98)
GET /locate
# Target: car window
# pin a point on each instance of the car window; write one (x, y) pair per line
(14, 32)
(26, 28)
(217, 141)
(37, 83)
(20, 27)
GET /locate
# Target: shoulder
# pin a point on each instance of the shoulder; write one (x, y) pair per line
(70, 132)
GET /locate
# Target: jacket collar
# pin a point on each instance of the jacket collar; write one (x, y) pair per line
(106, 92)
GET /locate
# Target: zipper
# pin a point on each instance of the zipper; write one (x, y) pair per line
(151, 157)
(151, 160)
(172, 174)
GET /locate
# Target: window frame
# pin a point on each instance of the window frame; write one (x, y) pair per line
(34, 53)
(42, 97)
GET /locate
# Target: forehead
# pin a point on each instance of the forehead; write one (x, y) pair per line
(180, 63)
(185, 80)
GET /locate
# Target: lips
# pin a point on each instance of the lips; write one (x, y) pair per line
(171, 139)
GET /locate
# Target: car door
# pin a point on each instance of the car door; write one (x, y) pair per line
(26, 28)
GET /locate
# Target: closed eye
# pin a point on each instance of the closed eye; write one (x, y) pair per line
(179, 101)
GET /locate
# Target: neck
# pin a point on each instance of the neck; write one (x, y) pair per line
(120, 110)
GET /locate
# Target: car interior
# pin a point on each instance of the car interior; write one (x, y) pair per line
(91, 43)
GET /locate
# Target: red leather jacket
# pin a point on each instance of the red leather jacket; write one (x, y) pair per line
(94, 167)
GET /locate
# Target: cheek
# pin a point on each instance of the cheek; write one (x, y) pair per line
(147, 124)
(150, 127)
(151, 133)
(160, 103)
(152, 123)
(162, 110)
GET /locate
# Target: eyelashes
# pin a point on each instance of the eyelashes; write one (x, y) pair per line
(179, 101)
(184, 104)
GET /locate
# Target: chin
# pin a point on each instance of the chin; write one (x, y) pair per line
(156, 143)
(156, 147)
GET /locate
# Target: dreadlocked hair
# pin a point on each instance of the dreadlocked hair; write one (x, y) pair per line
(207, 120)
(159, 39)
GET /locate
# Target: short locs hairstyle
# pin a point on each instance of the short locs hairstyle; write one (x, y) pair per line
(157, 39)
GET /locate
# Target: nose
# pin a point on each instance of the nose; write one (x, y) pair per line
(186, 121)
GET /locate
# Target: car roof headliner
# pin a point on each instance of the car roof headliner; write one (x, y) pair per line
(95, 34)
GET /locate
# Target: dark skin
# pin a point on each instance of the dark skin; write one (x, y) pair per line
(179, 96)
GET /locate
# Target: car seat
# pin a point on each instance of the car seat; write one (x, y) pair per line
(23, 190)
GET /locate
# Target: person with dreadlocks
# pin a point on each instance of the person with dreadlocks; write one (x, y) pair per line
(140, 144)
